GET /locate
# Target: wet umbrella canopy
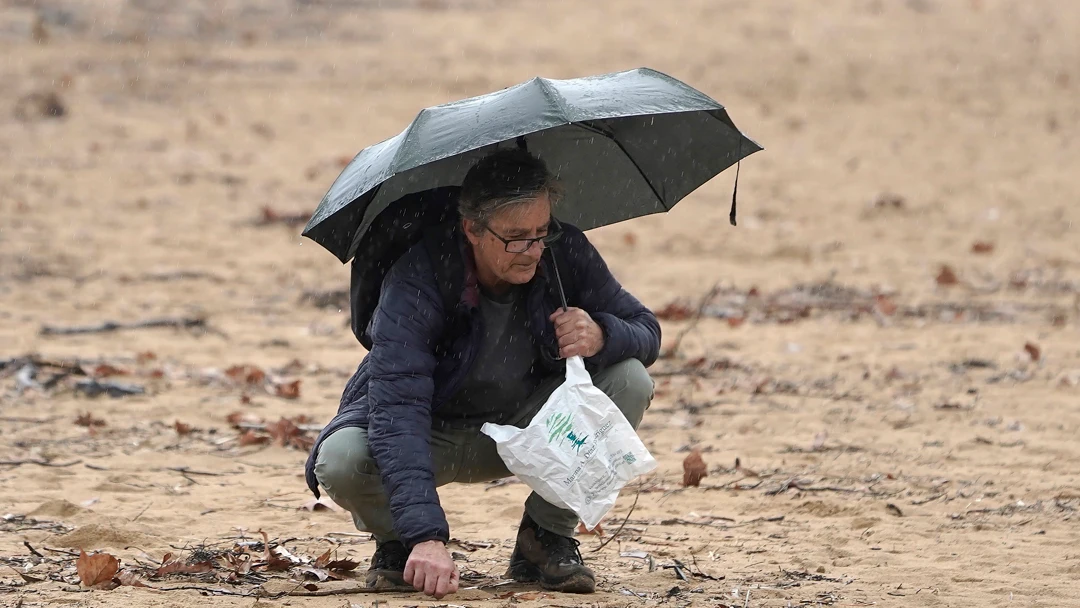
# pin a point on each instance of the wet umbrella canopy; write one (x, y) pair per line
(623, 145)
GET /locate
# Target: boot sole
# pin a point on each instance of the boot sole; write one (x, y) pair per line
(575, 583)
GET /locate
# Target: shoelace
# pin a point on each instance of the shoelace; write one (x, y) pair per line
(562, 544)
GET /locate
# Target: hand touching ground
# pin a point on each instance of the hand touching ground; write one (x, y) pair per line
(431, 569)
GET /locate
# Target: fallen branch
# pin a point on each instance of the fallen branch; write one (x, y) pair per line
(40, 463)
(188, 471)
(923, 501)
(111, 326)
(207, 590)
(32, 550)
(603, 544)
(339, 591)
(30, 420)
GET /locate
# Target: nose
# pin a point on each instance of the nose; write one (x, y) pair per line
(535, 250)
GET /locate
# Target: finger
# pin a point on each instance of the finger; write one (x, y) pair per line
(419, 579)
(410, 571)
(569, 351)
(559, 313)
(431, 584)
(568, 339)
(443, 588)
(566, 320)
(562, 330)
(455, 578)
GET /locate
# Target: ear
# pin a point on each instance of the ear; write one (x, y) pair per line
(468, 226)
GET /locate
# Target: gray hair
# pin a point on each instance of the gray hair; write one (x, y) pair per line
(503, 179)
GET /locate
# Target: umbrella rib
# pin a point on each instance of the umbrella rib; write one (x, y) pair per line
(598, 131)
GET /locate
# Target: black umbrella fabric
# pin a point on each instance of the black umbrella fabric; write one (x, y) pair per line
(623, 145)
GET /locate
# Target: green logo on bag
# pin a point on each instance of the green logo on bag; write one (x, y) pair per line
(561, 426)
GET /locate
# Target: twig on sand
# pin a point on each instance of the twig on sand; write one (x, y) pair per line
(33, 551)
(708, 297)
(61, 551)
(211, 590)
(614, 535)
(111, 326)
(143, 511)
(30, 420)
(747, 601)
(41, 463)
(188, 471)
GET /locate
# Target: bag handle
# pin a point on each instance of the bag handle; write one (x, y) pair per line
(575, 371)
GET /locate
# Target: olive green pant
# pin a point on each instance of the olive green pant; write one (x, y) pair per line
(349, 474)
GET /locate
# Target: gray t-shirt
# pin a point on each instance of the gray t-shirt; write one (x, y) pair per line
(506, 370)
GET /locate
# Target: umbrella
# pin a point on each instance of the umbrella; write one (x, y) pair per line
(623, 145)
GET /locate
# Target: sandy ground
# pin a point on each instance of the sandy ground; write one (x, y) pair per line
(898, 444)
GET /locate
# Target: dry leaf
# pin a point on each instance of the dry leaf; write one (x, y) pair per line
(131, 579)
(894, 510)
(288, 390)
(734, 322)
(179, 567)
(286, 433)
(1033, 351)
(982, 247)
(238, 565)
(236, 418)
(885, 305)
(104, 370)
(181, 428)
(250, 437)
(273, 562)
(88, 420)
(342, 565)
(694, 469)
(246, 374)
(96, 569)
(322, 560)
(946, 277)
(675, 311)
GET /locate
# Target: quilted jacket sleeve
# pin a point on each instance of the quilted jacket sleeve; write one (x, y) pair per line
(630, 329)
(405, 330)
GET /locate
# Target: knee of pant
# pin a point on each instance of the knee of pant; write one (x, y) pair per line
(343, 466)
(635, 390)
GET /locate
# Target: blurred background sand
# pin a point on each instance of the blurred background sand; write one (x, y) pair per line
(153, 151)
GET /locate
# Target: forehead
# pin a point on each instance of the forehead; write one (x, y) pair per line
(524, 216)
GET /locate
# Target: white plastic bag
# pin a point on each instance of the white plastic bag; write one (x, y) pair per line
(578, 452)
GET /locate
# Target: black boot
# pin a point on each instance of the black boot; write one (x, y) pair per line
(552, 560)
(387, 570)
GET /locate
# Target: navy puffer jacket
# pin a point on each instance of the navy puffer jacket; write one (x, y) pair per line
(422, 351)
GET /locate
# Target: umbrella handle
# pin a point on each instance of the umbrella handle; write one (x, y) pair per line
(558, 279)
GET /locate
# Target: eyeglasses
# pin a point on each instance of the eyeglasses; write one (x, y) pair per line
(523, 245)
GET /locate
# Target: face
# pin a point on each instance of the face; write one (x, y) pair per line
(495, 266)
